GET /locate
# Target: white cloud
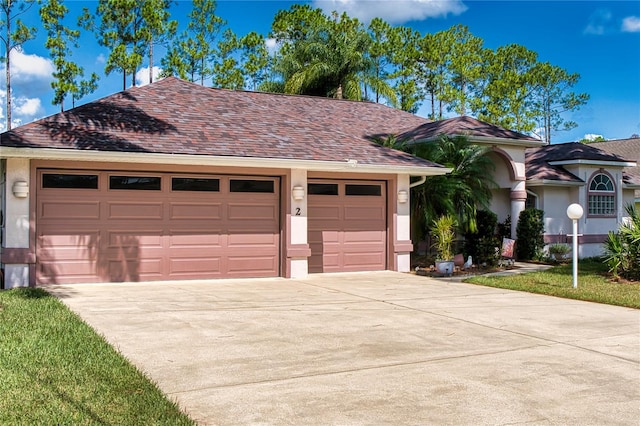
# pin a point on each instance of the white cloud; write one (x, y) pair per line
(592, 136)
(101, 59)
(30, 74)
(599, 22)
(29, 107)
(394, 12)
(631, 24)
(23, 110)
(272, 45)
(142, 76)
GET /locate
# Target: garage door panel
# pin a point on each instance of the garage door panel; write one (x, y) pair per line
(368, 237)
(196, 239)
(143, 239)
(357, 214)
(91, 234)
(146, 269)
(362, 262)
(252, 212)
(250, 241)
(324, 213)
(134, 210)
(65, 210)
(195, 211)
(74, 271)
(251, 266)
(348, 232)
(195, 267)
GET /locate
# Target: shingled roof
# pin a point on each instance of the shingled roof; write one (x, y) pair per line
(538, 160)
(629, 149)
(464, 125)
(173, 116)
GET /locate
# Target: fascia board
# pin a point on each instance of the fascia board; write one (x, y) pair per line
(549, 182)
(209, 160)
(594, 163)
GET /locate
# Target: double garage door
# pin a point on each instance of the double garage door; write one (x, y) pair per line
(113, 226)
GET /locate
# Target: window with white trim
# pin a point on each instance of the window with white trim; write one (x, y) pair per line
(602, 196)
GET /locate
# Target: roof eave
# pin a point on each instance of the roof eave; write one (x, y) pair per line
(211, 160)
(486, 140)
(594, 163)
(552, 182)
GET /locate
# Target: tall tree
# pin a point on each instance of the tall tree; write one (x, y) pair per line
(59, 37)
(431, 70)
(553, 96)
(464, 68)
(128, 28)
(255, 59)
(505, 95)
(159, 29)
(381, 57)
(227, 71)
(11, 10)
(403, 43)
(190, 55)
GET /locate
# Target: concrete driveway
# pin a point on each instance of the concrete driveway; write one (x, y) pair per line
(372, 348)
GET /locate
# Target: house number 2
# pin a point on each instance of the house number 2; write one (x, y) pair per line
(298, 211)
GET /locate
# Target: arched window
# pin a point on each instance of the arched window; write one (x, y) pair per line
(602, 196)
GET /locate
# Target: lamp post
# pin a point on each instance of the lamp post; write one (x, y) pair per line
(574, 211)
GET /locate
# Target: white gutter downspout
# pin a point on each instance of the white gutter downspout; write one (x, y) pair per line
(422, 180)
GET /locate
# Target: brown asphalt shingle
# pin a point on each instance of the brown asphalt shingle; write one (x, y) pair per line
(537, 160)
(626, 148)
(172, 116)
(464, 125)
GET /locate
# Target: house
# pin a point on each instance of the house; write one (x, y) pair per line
(506, 149)
(561, 174)
(625, 148)
(530, 173)
(176, 181)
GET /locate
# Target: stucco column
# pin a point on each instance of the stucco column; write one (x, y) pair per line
(15, 252)
(518, 201)
(402, 245)
(298, 250)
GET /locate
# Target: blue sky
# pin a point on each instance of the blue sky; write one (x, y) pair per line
(600, 40)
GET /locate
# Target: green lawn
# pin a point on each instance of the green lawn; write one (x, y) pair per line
(594, 284)
(54, 369)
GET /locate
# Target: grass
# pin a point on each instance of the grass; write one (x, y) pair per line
(594, 284)
(54, 369)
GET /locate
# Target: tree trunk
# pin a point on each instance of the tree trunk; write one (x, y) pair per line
(8, 70)
(151, 62)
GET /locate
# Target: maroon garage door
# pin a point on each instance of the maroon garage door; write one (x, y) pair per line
(347, 226)
(99, 226)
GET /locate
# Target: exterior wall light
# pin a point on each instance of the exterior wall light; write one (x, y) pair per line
(574, 212)
(298, 193)
(20, 189)
(403, 196)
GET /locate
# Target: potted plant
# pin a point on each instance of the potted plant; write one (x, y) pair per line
(443, 234)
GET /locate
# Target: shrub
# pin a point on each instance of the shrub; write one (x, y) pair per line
(622, 248)
(559, 251)
(481, 245)
(530, 234)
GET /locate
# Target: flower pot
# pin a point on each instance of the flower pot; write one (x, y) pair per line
(445, 267)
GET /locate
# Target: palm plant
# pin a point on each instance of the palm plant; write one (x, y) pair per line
(622, 248)
(460, 193)
(328, 57)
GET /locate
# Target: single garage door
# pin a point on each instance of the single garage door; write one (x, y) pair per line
(100, 226)
(347, 226)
